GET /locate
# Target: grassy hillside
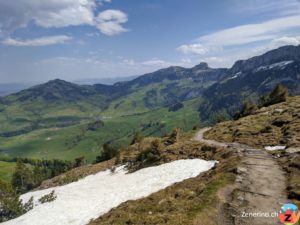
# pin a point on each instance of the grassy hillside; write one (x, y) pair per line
(81, 140)
(6, 170)
(275, 125)
(192, 201)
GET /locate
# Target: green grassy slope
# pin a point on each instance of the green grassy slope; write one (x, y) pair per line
(77, 140)
(6, 170)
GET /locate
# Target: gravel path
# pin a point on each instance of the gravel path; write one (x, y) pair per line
(260, 184)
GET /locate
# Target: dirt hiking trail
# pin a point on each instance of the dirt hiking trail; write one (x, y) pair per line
(259, 187)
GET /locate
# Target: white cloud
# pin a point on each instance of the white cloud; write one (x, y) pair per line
(155, 62)
(50, 40)
(250, 33)
(129, 62)
(244, 35)
(109, 22)
(227, 57)
(59, 13)
(286, 41)
(198, 49)
(50, 13)
(259, 7)
(275, 43)
(224, 47)
(186, 60)
(93, 34)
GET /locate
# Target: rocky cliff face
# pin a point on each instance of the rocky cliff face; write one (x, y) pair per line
(252, 78)
(285, 53)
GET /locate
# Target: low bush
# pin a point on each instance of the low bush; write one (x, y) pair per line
(48, 198)
(11, 205)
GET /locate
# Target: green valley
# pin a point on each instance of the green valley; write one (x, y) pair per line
(63, 120)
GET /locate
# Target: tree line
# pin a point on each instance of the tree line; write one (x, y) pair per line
(279, 94)
(28, 174)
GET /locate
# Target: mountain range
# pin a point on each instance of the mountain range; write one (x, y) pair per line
(153, 103)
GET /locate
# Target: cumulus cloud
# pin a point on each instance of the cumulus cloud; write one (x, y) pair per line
(110, 22)
(275, 43)
(197, 49)
(286, 41)
(59, 13)
(43, 41)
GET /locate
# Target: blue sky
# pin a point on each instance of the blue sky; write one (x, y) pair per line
(82, 39)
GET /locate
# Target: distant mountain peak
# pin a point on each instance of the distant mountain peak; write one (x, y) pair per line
(202, 66)
(58, 82)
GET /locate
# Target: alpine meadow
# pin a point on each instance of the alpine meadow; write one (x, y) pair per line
(149, 112)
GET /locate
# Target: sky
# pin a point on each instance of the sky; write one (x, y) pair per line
(76, 40)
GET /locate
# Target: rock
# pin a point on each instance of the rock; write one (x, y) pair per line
(241, 170)
(240, 198)
(292, 150)
(278, 110)
(239, 179)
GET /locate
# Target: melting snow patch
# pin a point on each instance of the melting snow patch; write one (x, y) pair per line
(279, 65)
(79, 202)
(274, 148)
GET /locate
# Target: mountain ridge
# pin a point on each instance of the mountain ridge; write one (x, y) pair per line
(62, 112)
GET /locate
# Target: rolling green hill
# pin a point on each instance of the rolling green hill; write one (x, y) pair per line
(87, 139)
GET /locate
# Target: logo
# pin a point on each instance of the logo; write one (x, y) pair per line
(289, 214)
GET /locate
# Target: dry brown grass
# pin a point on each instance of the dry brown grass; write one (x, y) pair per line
(193, 201)
(76, 174)
(274, 125)
(126, 155)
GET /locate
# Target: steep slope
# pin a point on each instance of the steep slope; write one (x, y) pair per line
(276, 125)
(186, 202)
(103, 191)
(252, 78)
(164, 88)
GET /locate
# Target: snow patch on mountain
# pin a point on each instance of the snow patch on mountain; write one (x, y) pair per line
(79, 202)
(275, 148)
(278, 65)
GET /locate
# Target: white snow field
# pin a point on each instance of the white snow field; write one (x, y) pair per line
(79, 202)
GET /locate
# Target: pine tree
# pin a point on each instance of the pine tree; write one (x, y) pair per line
(174, 137)
(279, 94)
(10, 204)
(22, 179)
(248, 108)
(38, 175)
(108, 153)
(150, 155)
(79, 161)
